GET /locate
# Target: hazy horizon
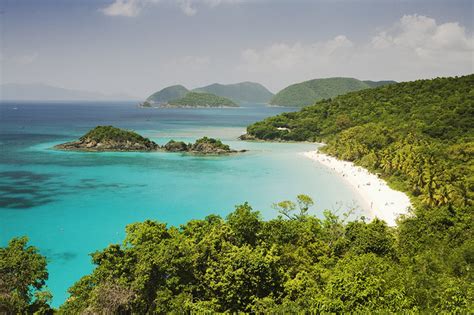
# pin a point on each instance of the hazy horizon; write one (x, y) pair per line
(137, 47)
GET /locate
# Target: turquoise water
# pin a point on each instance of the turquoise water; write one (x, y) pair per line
(71, 204)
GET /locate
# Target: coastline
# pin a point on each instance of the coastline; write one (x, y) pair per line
(382, 201)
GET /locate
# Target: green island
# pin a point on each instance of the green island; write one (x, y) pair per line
(203, 145)
(308, 92)
(417, 135)
(242, 92)
(109, 138)
(167, 94)
(197, 99)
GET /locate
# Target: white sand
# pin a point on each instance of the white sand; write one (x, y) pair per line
(382, 201)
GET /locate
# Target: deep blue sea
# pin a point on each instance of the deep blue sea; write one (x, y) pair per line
(71, 204)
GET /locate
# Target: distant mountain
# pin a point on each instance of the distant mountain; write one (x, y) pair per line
(43, 92)
(249, 92)
(199, 99)
(167, 94)
(308, 92)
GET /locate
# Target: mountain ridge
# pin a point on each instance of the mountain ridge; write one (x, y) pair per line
(308, 92)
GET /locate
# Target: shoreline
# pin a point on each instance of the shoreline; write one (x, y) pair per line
(382, 201)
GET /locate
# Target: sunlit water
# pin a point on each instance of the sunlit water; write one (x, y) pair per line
(71, 204)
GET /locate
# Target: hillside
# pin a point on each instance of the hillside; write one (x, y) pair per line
(167, 94)
(308, 92)
(249, 92)
(195, 99)
(420, 134)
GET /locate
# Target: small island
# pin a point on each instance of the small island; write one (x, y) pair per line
(109, 138)
(204, 145)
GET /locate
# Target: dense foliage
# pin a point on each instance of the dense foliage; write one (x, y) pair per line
(293, 263)
(22, 278)
(249, 92)
(211, 141)
(106, 133)
(204, 145)
(374, 84)
(195, 99)
(308, 92)
(167, 94)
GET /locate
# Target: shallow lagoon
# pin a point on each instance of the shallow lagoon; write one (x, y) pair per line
(73, 203)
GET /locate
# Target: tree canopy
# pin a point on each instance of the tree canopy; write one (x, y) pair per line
(22, 279)
(293, 263)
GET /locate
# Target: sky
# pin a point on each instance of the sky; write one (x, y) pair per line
(137, 47)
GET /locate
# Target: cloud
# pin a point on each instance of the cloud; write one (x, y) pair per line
(133, 8)
(413, 47)
(129, 8)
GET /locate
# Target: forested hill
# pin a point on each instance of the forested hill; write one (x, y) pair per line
(420, 133)
(308, 92)
(249, 92)
(167, 94)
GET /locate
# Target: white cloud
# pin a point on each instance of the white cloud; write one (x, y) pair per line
(416, 46)
(187, 7)
(132, 8)
(129, 8)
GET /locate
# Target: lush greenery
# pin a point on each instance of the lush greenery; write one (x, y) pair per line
(216, 143)
(293, 263)
(374, 84)
(249, 92)
(110, 133)
(419, 133)
(308, 92)
(197, 99)
(203, 145)
(419, 136)
(22, 279)
(167, 94)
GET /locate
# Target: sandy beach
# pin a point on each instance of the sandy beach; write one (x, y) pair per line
(382, 201)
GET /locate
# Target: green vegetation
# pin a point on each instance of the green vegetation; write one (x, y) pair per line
(374, 84)
(167, 94)
(249, 92)
(418, 134)
(195, 99)
(216, 143)
(203, 145)
(293, 263)
(308, 92)
(110, 133)
(109, 138)
(22, 279)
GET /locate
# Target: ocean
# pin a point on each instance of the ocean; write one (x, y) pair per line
(71, 204)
